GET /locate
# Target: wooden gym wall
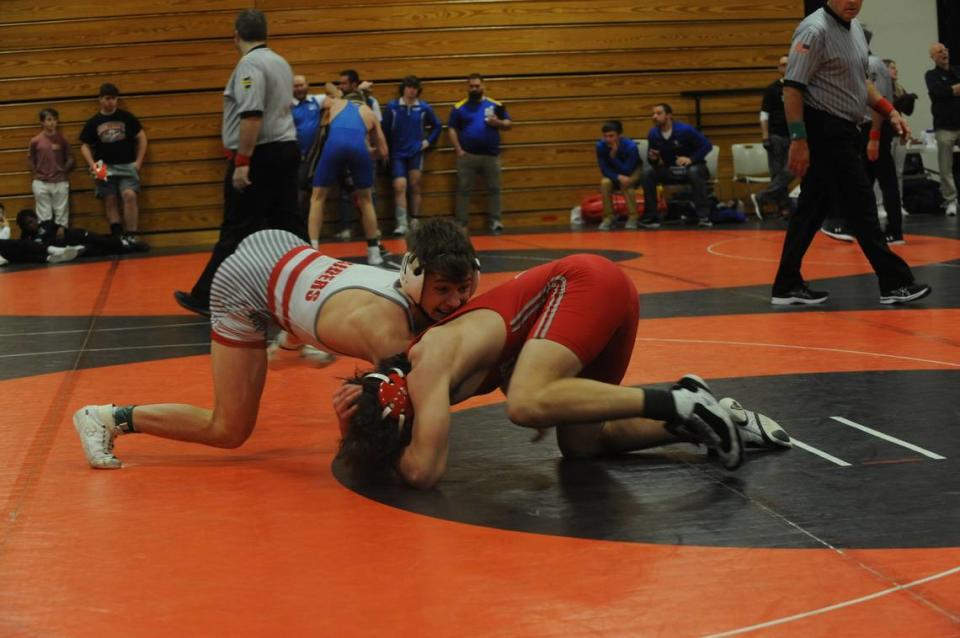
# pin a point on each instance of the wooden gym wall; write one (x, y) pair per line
(561, 66)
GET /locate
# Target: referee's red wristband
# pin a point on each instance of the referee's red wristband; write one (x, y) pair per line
(241, 160)
(874, 134)
(883, 107)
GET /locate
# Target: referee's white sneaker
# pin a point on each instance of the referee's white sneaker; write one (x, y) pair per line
(97, 430)
(757, 430)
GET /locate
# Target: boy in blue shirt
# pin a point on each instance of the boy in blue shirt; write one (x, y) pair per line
(411, 128)
(621, 166)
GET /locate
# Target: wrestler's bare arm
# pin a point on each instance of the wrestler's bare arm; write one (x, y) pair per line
(361, 324)
(424, 461)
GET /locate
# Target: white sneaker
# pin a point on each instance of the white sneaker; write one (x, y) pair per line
(757, 430)
(97, 430)
(700, 419)
(279, 356)
(757, 210)
(343, 235)
(3, 262)
(57, 255)
(606, 224)
(952, 209)
(400, 230)
(373, 256)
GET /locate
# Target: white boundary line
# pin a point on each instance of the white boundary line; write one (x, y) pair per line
(164, 345)
(829, 608)
(788, 346)
(891, 439)
(125, 328)
(812, 450)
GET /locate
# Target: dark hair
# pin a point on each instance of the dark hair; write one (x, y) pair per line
(612, 125)
(352, 75)
(251, 25)
(373, 444)
(410, 80)
(475, 76)
(666, 107)
(48, 111)
(443, 248)
(888, 61)
(23, 215)
(109, 88)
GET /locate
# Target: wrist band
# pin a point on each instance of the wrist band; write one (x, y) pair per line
(874, 134)
(798, 130)
(883, 107)
(241, 160)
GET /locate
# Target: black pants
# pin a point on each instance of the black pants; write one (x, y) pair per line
(696, 175)
(837, 176)
(885, 172)
(18, 251)
(269, 202)
(93, 243)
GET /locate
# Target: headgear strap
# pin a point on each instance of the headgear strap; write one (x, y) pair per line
(393, 396)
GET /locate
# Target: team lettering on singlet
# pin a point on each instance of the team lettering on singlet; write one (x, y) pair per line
(325, 278)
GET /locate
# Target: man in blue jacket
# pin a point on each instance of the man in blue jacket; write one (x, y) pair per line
(411, 128)
(677, 155)
(621, 166)
(474, 128)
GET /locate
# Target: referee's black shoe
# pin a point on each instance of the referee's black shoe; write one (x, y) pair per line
(191, 303)
(905, 294)
(801, 295)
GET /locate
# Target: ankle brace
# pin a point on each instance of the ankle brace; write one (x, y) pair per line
(123, 417)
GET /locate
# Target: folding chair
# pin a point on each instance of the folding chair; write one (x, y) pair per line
(750, 167)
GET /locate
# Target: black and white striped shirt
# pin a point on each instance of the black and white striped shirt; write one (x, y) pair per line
(828, 62)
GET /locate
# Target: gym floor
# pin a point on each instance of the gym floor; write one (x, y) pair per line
(853, 532)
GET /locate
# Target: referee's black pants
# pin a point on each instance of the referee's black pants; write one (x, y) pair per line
(837, 176)
(269, 202)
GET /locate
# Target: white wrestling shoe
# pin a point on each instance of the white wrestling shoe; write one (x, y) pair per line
(95, 426)
(701, 419)
(280, 354)
(757, 430)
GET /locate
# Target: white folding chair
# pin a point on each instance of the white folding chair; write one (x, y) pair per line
(713, 160)
(750, 167)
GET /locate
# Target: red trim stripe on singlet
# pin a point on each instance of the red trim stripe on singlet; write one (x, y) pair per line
(275, 275)
(291, 282)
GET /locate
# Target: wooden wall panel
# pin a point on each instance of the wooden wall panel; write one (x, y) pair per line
(561, 66)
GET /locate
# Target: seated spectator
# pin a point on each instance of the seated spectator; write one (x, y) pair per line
(621, 166)
(114, 140)
(14, 251)
(50, 160)
(50, 233)
(411, 128)
(677, 155)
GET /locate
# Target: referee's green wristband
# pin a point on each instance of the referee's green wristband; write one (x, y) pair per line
(798, 130)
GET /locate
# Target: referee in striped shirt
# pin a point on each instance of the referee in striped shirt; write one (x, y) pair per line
(825, 90)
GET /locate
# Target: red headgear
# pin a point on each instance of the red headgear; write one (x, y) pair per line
(393, 395)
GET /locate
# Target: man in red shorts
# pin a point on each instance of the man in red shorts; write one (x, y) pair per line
(557, 339)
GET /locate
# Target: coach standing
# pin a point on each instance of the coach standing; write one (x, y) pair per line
(824, 93)
(260, 143)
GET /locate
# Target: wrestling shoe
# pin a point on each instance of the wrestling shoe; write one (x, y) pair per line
(700, 419)
(97, 430)
(758, 431)
(282, 355)
(57, 255)
(390, 260)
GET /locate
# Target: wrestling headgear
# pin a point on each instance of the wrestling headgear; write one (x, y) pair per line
(412, 275)
(392, 395)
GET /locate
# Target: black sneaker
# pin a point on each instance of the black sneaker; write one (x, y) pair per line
(191, 303)
(905, 294)
(800, 295)
(390, 261)
(837, 232)
(894, 239)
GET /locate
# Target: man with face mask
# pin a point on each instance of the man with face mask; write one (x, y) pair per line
(475, 124)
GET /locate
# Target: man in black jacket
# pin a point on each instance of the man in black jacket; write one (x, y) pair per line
(943, 84)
